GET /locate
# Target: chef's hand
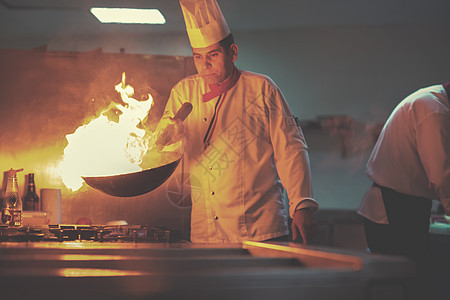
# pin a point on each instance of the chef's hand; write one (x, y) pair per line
(167, 121)
(170, 131)
(177, 130)
(304, 224)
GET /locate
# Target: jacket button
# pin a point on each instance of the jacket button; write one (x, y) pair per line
(205, 119)
(210, 168)
(216, 218)
(212, 193)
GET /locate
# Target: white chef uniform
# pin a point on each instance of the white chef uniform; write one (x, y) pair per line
(411, 155)
(254, 142)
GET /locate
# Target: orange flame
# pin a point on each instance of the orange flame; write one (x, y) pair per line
(105, 147)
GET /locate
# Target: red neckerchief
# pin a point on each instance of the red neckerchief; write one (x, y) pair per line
(220, 88)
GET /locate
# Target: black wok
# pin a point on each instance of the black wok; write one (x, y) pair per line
(132, 184)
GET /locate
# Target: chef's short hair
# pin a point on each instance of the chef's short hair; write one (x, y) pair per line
(227, 42)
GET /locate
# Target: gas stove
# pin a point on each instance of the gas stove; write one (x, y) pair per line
(88, 233)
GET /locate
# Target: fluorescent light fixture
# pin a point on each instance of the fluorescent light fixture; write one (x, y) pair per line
(128, 15)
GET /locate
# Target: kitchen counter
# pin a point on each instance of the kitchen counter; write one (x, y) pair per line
(252, 270)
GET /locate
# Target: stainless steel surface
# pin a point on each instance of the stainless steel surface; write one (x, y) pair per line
(95, 270)
(133, 184)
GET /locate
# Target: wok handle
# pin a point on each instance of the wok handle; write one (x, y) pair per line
(183, 112)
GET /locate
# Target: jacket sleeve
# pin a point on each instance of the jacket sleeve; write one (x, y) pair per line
(173, 103)
(290, 152)
(433, 145)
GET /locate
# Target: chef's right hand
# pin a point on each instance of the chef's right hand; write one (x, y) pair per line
(177, 130)
(172, 130)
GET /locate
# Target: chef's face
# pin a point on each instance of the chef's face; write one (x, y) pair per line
(214, 63)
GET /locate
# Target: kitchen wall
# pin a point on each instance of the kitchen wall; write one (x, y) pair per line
(359, 73)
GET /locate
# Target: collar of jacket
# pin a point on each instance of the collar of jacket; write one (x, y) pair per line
(447, 89)
(220, 88)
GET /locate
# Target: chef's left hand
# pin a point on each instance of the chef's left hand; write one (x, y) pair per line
(304, 224)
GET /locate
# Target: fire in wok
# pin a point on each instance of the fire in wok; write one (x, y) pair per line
(111, 155)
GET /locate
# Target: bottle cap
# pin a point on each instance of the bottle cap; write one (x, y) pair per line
(12, 172)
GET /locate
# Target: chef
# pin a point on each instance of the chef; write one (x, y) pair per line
(243, 145)
(409, 166)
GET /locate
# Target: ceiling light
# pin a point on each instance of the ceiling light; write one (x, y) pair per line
(128, 15)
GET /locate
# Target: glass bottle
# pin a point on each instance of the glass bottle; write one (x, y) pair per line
(12, 204)
(31, 199)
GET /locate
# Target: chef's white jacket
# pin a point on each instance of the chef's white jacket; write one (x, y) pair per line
(412, 154)
(236, 190)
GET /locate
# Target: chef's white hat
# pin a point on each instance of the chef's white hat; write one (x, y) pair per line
(205, 24)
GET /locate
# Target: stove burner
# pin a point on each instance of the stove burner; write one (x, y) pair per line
(20, 234)
(94, 233)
